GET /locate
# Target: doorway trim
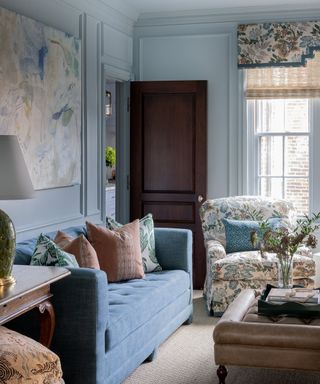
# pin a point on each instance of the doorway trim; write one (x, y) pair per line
(122, 79)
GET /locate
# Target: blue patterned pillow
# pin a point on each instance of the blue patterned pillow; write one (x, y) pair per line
(238, 233)
(48, 253)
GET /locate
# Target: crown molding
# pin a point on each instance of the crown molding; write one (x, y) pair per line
(112, 12)
(224, 15)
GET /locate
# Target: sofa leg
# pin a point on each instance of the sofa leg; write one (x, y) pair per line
(152, 356)
(189, 320)
(222, 374)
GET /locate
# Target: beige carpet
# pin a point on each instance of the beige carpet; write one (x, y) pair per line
(187, 358)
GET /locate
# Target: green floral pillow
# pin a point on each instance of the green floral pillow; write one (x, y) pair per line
(47, 253)
(147, 242)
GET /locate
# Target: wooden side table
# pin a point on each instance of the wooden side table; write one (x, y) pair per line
(31, 290)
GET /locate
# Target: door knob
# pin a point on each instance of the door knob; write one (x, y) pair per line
(200, 198)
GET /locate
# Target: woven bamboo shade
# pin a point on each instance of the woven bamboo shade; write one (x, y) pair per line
(284, 82)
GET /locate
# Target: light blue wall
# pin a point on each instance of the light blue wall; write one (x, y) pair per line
(192, 46)
(106, 35)
(198, 57)
(188, 46)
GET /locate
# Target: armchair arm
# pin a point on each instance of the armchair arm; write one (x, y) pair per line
(215, 250)
(174, 248)
(81, 306)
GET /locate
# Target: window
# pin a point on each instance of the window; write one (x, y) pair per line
(281, 67)
(279, 157)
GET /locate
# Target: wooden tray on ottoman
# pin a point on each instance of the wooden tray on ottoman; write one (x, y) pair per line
(286, 309)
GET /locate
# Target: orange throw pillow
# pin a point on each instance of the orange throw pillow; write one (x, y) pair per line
(118, 251)
(79, 247)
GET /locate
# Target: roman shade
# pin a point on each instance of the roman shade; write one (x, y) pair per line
(282, 60)
(284, 82)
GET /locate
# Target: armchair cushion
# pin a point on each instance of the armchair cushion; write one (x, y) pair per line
(251, 265)
(248, 265)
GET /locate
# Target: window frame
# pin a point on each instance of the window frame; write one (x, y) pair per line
(251, 149)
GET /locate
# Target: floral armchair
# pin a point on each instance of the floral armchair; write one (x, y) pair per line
(230, 273)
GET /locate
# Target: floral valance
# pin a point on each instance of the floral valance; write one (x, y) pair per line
(277, 44)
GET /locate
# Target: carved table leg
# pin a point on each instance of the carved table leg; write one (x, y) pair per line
(222, 374)
(47, 323)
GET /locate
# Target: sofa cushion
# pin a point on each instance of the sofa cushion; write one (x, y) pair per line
(24, 360)
(80, 247)
(133, 303)
(25, 248)
(48, 253)
(147, 242)
(118, 251)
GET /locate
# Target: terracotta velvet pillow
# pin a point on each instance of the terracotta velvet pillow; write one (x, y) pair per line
(79, 247)
(118, 251)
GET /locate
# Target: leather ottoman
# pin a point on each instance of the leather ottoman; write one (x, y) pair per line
(244, 338)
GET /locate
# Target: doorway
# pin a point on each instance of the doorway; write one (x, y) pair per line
(116, 148)
(110, 149)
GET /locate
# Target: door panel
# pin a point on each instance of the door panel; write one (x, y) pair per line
(169, 157)
(171, 212)
(175, 157)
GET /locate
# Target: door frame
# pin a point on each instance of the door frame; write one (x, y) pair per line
(122, 79)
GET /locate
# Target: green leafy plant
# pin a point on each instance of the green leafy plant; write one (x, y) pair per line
(285, 242)
(281, 240)
(110, 156)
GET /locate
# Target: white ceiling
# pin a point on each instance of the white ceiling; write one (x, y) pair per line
(146, 6)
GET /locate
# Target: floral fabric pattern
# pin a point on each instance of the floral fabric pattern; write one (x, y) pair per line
(277, 43)
(48, 253)
(229, 273)
(147, 242)
(241, 208)
(247, 265)
(23, 360)
(225, 291)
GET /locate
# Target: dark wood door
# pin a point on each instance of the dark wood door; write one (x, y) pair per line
(169, 157)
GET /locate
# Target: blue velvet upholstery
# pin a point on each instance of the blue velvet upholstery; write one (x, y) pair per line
(144, 298)
(104, 331)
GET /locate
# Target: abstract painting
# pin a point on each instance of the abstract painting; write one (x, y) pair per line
(40, 98)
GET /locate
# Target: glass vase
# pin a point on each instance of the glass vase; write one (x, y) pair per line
(285, 276)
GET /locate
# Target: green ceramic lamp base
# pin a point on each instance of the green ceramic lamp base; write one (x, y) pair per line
(7, 249)
(7, 281)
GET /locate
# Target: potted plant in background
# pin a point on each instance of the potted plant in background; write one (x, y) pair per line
(285, 242)
(110, 158)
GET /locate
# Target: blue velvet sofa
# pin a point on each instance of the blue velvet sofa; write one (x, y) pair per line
(104, 331)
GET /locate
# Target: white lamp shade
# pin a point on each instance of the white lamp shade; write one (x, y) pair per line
(15, 182)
